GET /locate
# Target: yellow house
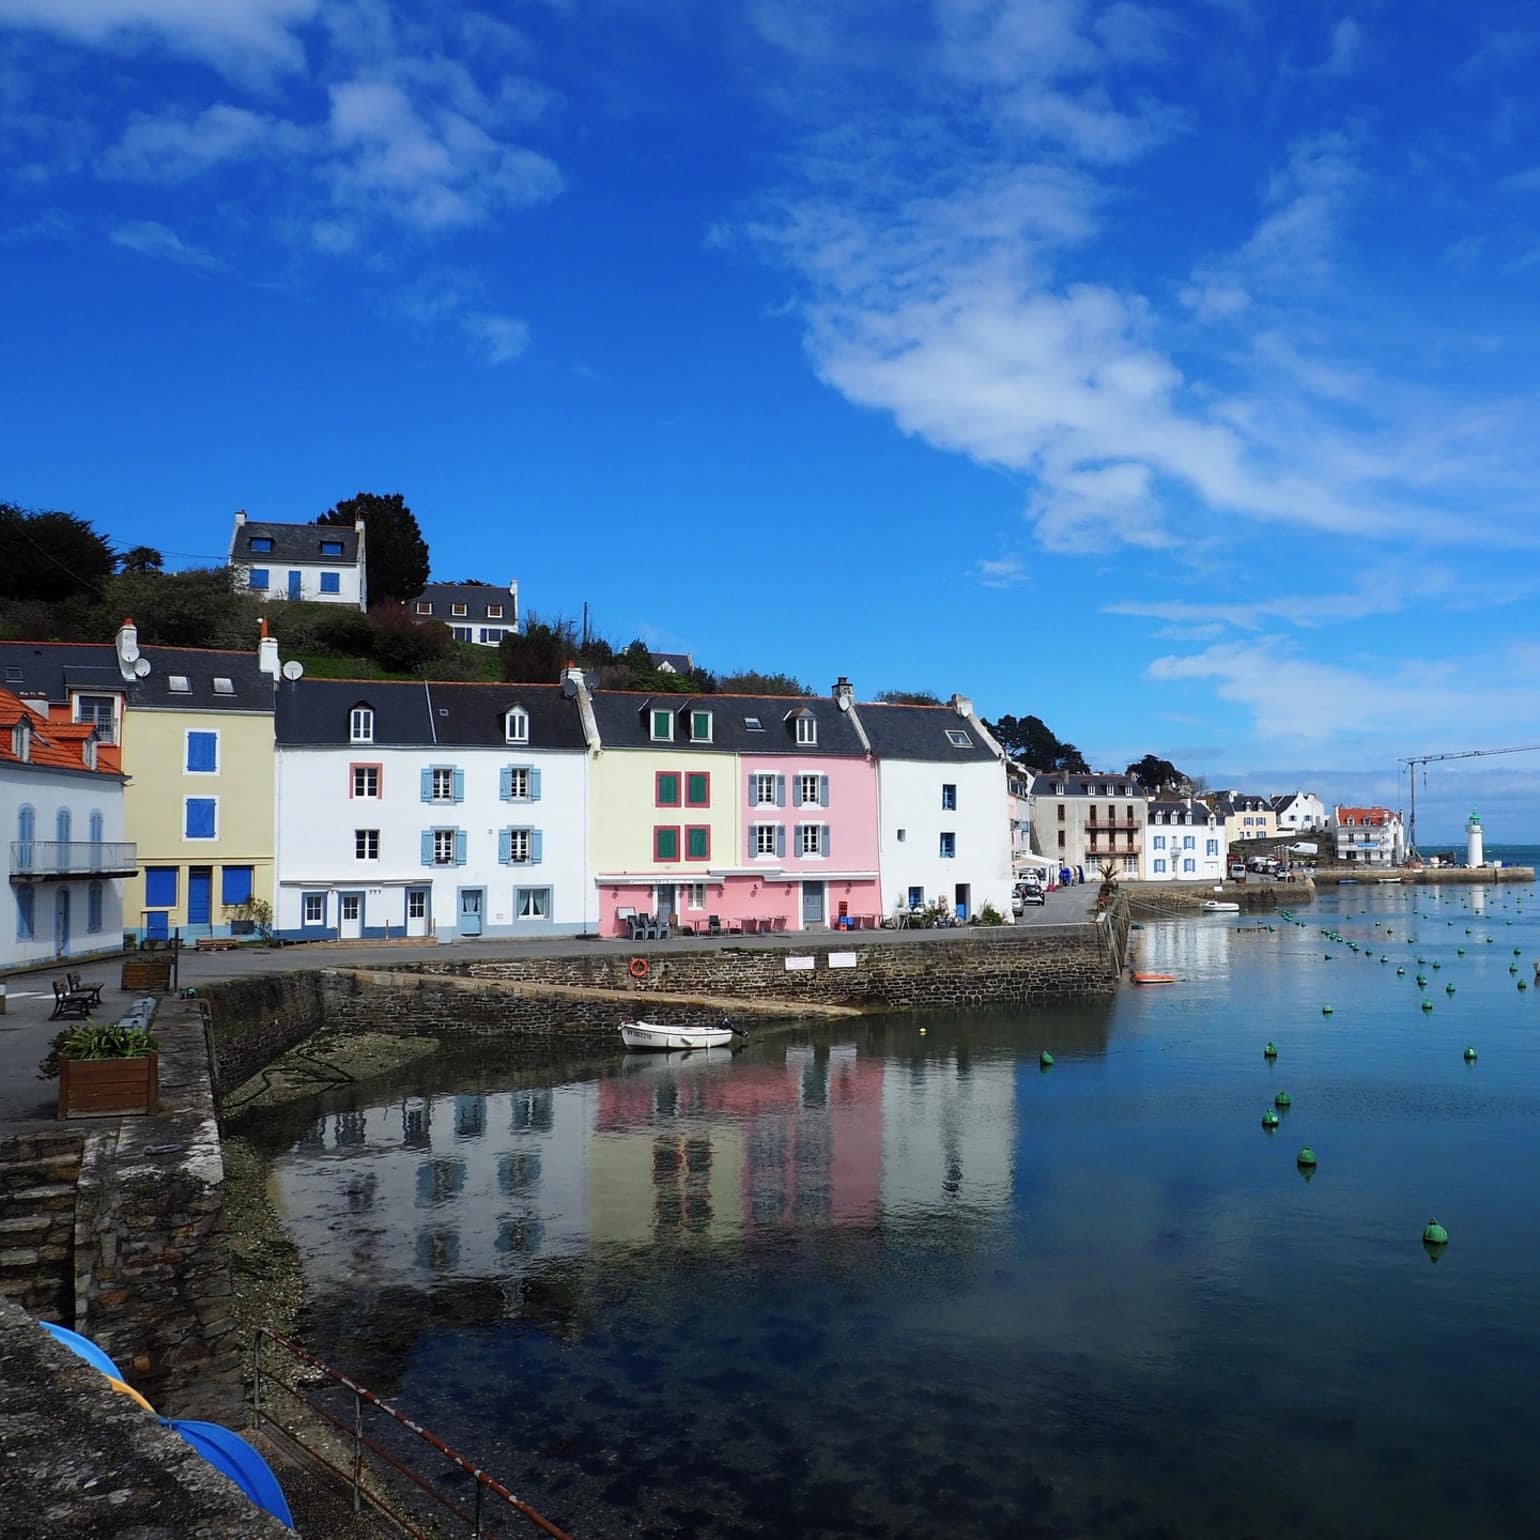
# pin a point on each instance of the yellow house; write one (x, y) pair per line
(198, 752)
(1246, 818)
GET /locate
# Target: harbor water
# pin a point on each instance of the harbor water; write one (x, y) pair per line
(896, 1278)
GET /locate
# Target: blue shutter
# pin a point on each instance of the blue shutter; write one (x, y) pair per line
(796, 791)
(536, 845)
(749, 796)
(505, 845)
(459, 785)
(823, 791)
(427, 786)
(823, 839)
(259, 577)
(780, 839)
(750, 850)
(505, 783)
(427, 847)
(201, 751)
(24, 896)
(460, 844)
(94, 908)
(160, 887)
(200, 818)
(96, 827)
(534, 785)
(780, 791)
(235, 884)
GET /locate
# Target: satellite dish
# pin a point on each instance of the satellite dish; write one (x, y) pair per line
(292, 670)
(141, 668)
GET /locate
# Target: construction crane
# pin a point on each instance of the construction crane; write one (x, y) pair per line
(1412, 761)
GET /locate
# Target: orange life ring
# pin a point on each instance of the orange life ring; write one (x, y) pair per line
(638, 967)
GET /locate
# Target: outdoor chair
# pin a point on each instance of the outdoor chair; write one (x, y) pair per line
(662, 927)
(67, 1002)
(778, 924)
(714, 925)
(751, 926)
(93, 991)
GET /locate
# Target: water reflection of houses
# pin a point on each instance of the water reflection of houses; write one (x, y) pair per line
(451, 1185)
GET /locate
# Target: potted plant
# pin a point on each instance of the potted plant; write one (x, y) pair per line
(251, 917)
(104, 1070)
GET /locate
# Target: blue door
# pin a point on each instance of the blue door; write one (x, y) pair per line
(812, 904)
(470, 911)
(200, 894)
(61, 923)
(294, 585)
(157, 925)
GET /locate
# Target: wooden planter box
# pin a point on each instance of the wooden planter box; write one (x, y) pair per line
(108, 1088)
(146, 973)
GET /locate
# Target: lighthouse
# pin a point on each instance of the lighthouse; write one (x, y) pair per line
(1473, 856)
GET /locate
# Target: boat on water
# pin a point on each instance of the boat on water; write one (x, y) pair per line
(664, 1037)
(1383, 881)
(1154, 978)
(1218, 906)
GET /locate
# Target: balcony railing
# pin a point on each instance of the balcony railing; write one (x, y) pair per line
(73, 858)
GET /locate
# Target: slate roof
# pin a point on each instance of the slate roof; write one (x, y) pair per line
(1174, 807)
(625, 723)
(1077, 783)
(292, 542)
(920, 732)
(53, 669)
(679, 662)
(474, 596)
(315, 713)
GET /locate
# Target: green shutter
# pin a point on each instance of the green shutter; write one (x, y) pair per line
(698, 789)
(698, 844)
(665, 844)
(668, 789)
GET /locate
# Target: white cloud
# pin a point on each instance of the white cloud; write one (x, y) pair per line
(431, 169)
(1347, 39)
(1001, 572)
(155, 240)
(241, 36)
(495, 339)
(172, 147)
(448, 301)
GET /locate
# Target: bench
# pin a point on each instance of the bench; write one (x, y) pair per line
(69, 1002)
(215, 943)
(92, 992)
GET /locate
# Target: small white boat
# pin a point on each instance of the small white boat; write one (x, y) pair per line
(660, 1037)
(1215, 906)
(1384, 880)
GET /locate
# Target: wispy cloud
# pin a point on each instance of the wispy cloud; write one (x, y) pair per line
(1001, 572)
(175, 146)
(151, 239)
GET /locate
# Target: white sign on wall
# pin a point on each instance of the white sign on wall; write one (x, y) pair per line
(842, 959)
(799, 964)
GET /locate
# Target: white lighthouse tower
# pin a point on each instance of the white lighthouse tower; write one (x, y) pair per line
(1473, 855)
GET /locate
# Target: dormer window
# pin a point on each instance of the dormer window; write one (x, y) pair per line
(753, 725)
(494, 612)
(361, 725)
(457, 609)
(223, 686)
(807, 727)
(959, 739)
(21, 741)
(180, 684)
(662, 726)
(331, 548)
(88, 753)
(261, 543)
(516, 725)
(700, 727)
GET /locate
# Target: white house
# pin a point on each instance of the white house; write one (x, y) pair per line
(480, 613)
(1370, 836)
(1301, 812)
(943, 808)
(447, 810)
(62, 853)
(1184, 841)
(323, 563)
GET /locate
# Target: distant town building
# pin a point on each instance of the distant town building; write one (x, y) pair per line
(1300, 812)
(1370, 836)
(1184, 841)
(1088, 820)
(1245, 817)
(321, 563)
(1025, 857)
(672, 662)
(474, 612)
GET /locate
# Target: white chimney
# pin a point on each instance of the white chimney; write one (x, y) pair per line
(240, 517)
(128, 647)
(844, 693)
(961, 705)
(267, 652)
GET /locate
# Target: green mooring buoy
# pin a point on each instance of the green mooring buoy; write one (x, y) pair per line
(1269, 1119)
(1283, 1099)
(1306, 1157)
(1045, 1059)
(1400, 973)
(1448, 989)
(1470, 1055)
(1435, 1234)
(1427, 1005)
(1326, 1010)
(1269, 1049)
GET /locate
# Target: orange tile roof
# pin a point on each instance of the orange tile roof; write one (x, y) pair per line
(1364, 815)
(58, 745)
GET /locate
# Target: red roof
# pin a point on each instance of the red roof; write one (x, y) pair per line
(1361, 816)
(59, 745)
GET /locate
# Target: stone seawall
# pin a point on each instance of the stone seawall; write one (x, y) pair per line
(254, 1020)
(38, 1173)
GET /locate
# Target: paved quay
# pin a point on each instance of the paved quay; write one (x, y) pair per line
(25, 1030)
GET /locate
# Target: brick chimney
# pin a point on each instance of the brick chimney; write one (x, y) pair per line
(844, 693)
(267, 651)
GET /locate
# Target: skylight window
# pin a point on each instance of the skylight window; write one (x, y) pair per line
(12, 674)
(223, 686)
(958, 738)
(180, 684)
(753, 725)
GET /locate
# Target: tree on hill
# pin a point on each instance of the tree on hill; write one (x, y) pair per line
(1155, 774)
(749, 682)
(395, 554)
(141, 558)
(908, 698)
(202, 607)
(537, 654)
(1030, 740)
(49, 555)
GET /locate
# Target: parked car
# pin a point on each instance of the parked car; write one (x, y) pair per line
(1025, 893)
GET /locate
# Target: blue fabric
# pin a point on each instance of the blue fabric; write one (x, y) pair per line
(232, 1456)
(83, 1347)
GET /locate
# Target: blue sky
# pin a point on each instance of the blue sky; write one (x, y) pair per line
(1164, 370)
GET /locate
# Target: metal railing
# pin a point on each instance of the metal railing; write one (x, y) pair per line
(489, 1493)
(74, 858)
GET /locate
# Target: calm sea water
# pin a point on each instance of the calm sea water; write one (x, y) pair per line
(874, 1281)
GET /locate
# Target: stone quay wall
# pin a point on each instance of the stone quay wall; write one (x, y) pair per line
(254, 1020)
(38, 1173)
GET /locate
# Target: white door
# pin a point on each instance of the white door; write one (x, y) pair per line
(417, 911)
(352, 916)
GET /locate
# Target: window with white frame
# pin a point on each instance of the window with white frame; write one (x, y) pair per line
(361, 725)
(948, 797)
(1188, 864)
(424, 607)
(494, 612)
(1160, 865)
(764, 790)
(518, 845)
(516, 725)
(366, 844)
(700, 727)
(809, 839)
(443, 847)
(1189, 842)
(948, 845)
(315, 909)
(456, 609)
(807, 729)
(958, 739)
(518, 783)
(443, 784)
(808, 789)
(532, 903)
(417, 904)
(695, 895)
(662, 726)
(1211, 848)
(366, 781)
(1130, 864)
(764, 839)
(1159, 842)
